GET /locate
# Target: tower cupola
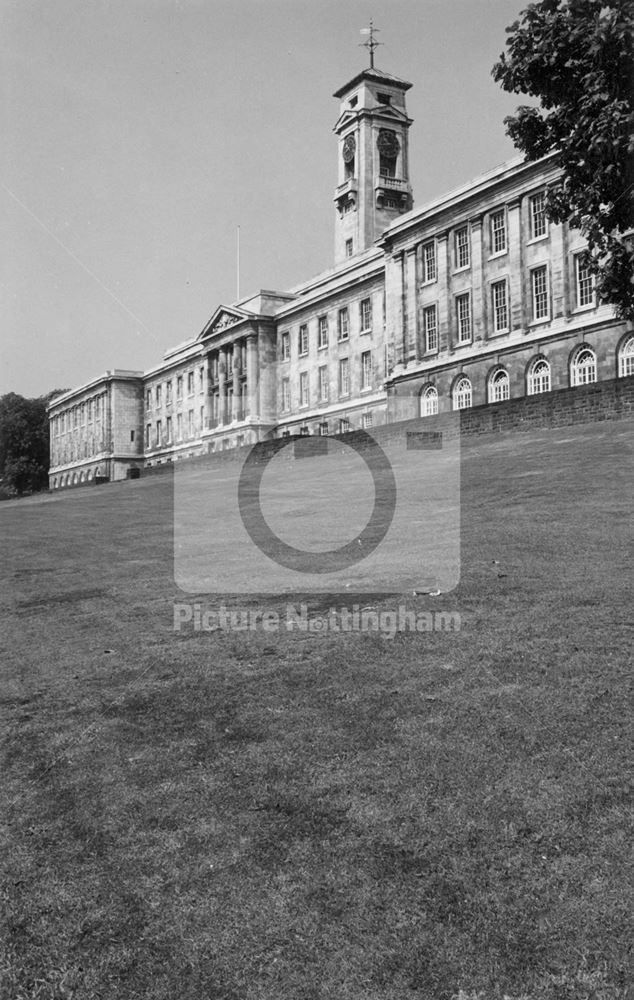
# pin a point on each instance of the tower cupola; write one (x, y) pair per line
(373, 185)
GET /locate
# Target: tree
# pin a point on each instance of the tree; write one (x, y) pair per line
(24, 443)
(576, 57)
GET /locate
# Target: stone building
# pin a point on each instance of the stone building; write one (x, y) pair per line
(472, 299)
(96, 431)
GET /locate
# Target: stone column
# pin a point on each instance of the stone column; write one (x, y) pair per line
(557, 272)
(237, 363)
(252, 376)
(411, 309)
(444, 292)
(206, 398)
(222, 386)
(478, 293)
(516, 266)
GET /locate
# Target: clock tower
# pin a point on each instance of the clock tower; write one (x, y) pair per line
(373, 182)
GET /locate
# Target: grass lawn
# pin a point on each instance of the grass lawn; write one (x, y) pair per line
(290, 816)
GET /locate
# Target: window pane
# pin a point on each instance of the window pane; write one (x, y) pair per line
(462, 247)
(539, 279)
(498, 232)
(538, 214)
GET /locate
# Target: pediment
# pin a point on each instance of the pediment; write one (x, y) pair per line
(223, 318)
(384, 111)
(390, 112)
(344, 118)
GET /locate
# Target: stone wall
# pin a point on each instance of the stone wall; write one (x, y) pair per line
(609, 400)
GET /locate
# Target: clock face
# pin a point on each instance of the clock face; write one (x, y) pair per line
(349, 147)
(388, 143)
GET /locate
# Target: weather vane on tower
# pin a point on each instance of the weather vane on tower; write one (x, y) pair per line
(371, 43)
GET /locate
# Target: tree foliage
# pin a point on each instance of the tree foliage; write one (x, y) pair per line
(24, 443)
(576, 57)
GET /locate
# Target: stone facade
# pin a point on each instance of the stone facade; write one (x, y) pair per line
(96, 431)
(474, 299)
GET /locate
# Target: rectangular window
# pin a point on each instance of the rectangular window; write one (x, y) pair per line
(349, 248)
(148, 399)
(159, 432)
(499, 303)
(285, 345)
(343, 325)
(190, 383)
(323, 384)
(430, 327)
(158, 395)
(214, 368)
(462, 247)
(498, 231)
(303, 339)
(463, 317)
(201, 379)
(148, 435)
(584, 281)
(168, 429)
(366, 421)
(366, 370)
(179, 426)
(430, 272)
(179, 387)
(202, 418)
(303, 388)
(286, 395)
(323, 428)
(539, 288)
(322, 332)
(344, 377)
(344, 425)
(168, 392)
(538, 223)
(365, 315)
(190, 423)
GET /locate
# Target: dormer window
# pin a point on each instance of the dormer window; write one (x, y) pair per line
(384, 98)
(353, 102)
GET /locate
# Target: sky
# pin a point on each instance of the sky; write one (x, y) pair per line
(139, 134)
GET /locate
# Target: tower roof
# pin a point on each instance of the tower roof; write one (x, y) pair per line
(376, 76)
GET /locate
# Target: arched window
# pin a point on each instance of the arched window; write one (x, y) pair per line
(74, 478)
(499, 387)
(429, 402)
(626, 358)
(584, 367)
(55, 483)
(462, 394)
(89, 475)
(539, 377)
(81, 477)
